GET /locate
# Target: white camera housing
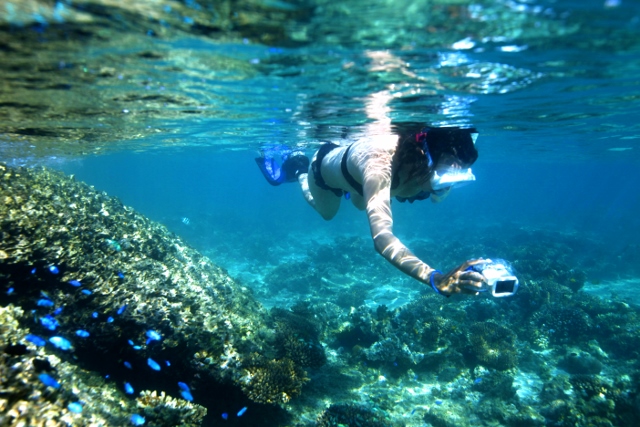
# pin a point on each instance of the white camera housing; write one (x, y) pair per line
(500, 279)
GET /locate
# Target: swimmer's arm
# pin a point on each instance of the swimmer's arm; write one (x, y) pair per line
(377, 192)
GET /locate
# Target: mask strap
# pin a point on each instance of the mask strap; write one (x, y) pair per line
(422, 137)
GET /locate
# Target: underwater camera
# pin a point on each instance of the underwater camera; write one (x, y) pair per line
(501, 280)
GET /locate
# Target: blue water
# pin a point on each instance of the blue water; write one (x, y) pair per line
(552, 88)
(224, 196)
(168, 117)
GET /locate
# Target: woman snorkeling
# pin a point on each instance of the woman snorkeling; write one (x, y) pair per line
(370, 171)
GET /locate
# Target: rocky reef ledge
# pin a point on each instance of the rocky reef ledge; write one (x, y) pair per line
(107, 318)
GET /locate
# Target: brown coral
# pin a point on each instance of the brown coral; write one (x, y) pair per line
(274, 381)
(297, 336)
(167, 410)
(493, 345)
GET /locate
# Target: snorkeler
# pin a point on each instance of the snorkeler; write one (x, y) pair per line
(371, 171)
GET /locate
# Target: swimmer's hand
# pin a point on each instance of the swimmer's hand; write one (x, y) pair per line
(461, 281)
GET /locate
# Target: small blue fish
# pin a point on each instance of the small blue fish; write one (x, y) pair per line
(167, 363)
(153, 364)
(57, 311)
(35, 340)
(54, 270)
(44, 303)
(86, 291)
(10, 291)
(477, 381)
(75, 283)
(122, 309)
(95, 315)
(128, 389)
(75, 407)
(109, 319)
(132, 344)
(61, 343)
(128, 365)
(33, 271)
(438, 402)
(48, 380)
(186, 395)
(82, 333)
(242, 411)
(185, 221)
(153, 336)
(137, 420)
(225, 416)
(49, 322)
(183, 386)
(121, 274)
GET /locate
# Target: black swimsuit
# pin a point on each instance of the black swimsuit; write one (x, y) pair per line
(317, 164)
(317, 175)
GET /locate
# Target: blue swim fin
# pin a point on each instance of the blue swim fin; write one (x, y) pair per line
(270, 170)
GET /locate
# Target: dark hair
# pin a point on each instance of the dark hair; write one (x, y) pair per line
(410, 156)
(411, 152)
(452, 140)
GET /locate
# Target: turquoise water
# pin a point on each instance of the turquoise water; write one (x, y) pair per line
(165, 105)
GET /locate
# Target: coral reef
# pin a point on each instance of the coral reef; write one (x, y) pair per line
(272, 381)
(91, 288)
(496, 385)
(351, 415)
(164, 410)
(297, 336)
(564, 324)
(40, 388)
(580, 363)
(298, 277)
(493, 345)
(101, 277)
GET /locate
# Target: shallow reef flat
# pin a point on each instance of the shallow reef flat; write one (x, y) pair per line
(563, 351)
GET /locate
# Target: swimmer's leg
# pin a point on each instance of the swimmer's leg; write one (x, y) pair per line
(325, 202)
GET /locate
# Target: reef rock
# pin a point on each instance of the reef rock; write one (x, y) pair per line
(120, 288)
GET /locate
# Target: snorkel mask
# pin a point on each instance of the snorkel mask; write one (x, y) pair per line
(458, 145)
(451, 178)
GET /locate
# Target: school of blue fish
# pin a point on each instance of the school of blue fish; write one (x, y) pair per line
(50, 323)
